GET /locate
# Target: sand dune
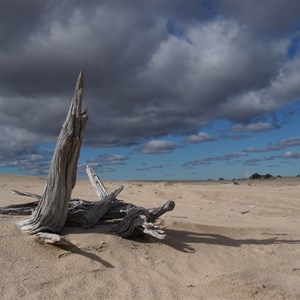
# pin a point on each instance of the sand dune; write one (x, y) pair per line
(225, 241)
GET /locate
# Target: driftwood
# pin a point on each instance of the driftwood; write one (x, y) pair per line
(55, 208)
(87, 214)
(52, 211)
(51, 238)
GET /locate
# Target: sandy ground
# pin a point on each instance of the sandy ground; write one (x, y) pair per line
(225, 241)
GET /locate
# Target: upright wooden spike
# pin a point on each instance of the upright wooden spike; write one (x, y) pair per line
(52, 211)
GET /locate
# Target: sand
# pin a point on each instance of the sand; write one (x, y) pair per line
(225, 241)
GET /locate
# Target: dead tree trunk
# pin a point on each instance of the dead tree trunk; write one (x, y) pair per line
(55, 207)
(52, 211)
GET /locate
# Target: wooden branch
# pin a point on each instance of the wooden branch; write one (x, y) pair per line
(118, 210)
(88, 214)
(135, 222)
(27, 194)
(19, 209)
(97, 184)
(153, 230)
(130, 222)
(52, 211)
(155, 213)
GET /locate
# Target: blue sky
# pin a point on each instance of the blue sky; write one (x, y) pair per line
(224, 152)
(191, 91)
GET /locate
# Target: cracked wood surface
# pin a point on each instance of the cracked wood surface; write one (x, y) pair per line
(52, 210)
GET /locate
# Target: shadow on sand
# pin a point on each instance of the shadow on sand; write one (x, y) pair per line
(71, 248)
(181, 240)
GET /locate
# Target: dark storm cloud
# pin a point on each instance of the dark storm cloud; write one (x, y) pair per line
(151, 68)
(267, 16)
(31, 164)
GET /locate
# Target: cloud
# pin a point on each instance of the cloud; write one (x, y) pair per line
(290, 142)
(16, 141)
(269, 17)
(31, 164)
(290, 154)
(209, 160)
(158, 147)
(97, 167)
(199, 138)
(252, 127)
(150, 168)
(152, 68)
(293, 141)
(231, 157)
(102, 161)
(235, 137)
(112, 159)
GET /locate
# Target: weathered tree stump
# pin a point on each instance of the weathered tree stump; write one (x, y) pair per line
(52, 211)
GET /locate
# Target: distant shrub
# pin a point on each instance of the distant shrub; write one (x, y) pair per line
(221, 178)
(255, 176)
(268, 176)
(259, 176)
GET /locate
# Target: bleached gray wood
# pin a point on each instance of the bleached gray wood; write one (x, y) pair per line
(118, 210)
(153, 230)
(88, 214)
(51, 238)
(130, 222)
(155, 213)
(97, 184)
(52, 211)
(27, 194)
(135, 222)
(19, 209)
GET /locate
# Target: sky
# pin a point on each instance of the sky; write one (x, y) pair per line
(183, 90)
